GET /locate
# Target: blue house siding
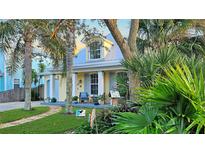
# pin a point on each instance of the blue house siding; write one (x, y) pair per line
(112, 80)
(2, 71)
(80, 57)
(6, 80)
(1, 84)
(87, 83)
(118, 53)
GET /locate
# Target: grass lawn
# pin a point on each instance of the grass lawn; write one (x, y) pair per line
(13, 115)
(57, 123)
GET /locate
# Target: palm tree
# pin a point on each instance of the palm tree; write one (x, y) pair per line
(157, 33)
(61, 45)
(69, 64)
(17, 39)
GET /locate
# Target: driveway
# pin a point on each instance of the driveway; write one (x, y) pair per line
(16, 105)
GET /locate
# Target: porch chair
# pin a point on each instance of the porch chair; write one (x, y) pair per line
(83, 97)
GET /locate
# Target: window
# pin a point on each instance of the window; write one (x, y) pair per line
(95, 50)
(16, 81)
(94, 84)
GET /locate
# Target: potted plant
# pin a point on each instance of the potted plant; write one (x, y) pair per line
(101, 99)
(53, 100)
(75, 99)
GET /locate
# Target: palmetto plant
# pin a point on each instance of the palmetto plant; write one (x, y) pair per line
(179, 95)
(149, 120)
(149, 64)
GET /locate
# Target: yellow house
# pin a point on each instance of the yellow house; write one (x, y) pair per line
(96, 63)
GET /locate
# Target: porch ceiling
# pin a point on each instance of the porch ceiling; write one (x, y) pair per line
(99, 66)
(95, 69)
(90, 67)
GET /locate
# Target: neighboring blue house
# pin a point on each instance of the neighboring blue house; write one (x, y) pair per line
(6, 80)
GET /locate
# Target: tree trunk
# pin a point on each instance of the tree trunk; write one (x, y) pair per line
(122, 43)
(134, 83)
(28, 67)
(128, 49)
(69, 72)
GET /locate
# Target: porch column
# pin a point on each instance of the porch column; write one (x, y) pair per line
(100, 83)
(74, 84)
(51, 86)
(45, 88)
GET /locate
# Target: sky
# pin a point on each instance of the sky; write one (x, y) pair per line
(123, 25)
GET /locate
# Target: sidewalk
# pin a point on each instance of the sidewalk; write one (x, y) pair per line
(52, 110)
(16, 105)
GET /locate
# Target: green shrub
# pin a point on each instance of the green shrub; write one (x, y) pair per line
(122, 84)
(75, 98)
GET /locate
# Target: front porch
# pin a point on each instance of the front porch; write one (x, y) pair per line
(79, 105)
(95, 78)
(94, 83)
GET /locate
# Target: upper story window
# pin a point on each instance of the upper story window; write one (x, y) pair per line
(95, 50)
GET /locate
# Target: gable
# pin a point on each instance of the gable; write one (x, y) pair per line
(110, 50)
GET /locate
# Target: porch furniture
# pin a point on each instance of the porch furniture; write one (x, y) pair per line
(114, 97)
(47, 100)
(83, 97)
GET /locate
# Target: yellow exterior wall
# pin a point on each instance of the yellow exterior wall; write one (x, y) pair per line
(80, 83)
(106, 48)
(106, 82)
(62, 88)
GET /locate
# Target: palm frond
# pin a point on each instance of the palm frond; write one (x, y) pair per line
(15, 57)
(7, 34)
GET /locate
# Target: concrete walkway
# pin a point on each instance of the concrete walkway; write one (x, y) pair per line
(52, 110)
(16, 105)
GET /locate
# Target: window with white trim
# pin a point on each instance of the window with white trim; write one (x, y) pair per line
(94, 84)
(95, 50)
